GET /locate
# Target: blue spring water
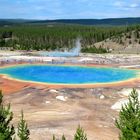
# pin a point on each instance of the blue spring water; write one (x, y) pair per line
(68, 74)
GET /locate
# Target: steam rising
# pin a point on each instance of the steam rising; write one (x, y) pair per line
(73, 52)
(77, 48)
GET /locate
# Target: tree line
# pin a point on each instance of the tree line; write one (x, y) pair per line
(58, 37)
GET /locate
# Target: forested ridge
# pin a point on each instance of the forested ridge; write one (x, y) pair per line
(101, 22)
(59, 37)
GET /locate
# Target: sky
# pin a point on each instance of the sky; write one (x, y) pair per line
(69, 9)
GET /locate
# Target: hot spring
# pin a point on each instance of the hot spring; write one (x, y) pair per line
(61, 74)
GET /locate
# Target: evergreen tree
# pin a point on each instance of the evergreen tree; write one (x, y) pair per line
(54, 137)
(129, 118)
(80, 134)
(23, 131)
(6, 130)
(60, 37)
(63, 137)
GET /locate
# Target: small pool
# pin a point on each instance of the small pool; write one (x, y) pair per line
(60, 74)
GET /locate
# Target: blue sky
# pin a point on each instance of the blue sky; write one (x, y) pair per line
(69, 9)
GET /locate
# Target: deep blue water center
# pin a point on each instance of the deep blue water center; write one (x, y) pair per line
(59, 74)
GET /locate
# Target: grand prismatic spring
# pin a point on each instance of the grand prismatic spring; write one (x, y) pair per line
(61, 74)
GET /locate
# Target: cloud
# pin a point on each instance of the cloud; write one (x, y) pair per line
(127, 4)
(119, 4)
(52, 9)
(134, 5)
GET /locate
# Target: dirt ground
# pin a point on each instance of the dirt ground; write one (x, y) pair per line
(47, 115)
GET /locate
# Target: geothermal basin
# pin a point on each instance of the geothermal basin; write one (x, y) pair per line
(59, 104)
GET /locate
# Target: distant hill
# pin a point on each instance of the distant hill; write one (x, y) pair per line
(4, 22)
(109, 21)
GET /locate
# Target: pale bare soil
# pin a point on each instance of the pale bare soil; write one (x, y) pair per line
(46, 115)
(83, 106)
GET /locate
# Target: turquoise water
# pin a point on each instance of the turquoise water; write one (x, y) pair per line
(68, 74)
